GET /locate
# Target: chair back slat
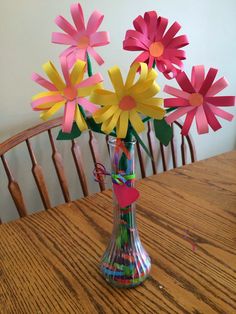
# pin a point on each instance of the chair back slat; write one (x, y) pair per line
(152, 147)
(173, 150)
(141, 161)
(39, 177)
(183, 154)
(58, 163)
(93, 144)
(79, 167)
(15, 190)
(163, 157)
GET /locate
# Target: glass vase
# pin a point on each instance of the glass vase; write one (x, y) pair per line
(125, 263)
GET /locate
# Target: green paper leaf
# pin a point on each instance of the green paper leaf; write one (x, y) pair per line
(94, 126)
(163, 131)
(75, 132)
(138, 138)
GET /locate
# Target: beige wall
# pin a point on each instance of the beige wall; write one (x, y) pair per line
(25, 32)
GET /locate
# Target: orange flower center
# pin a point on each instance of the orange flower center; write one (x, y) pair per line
(156, 49)
(70, 93)
(127, 103)
(195, 99)
(83, 42)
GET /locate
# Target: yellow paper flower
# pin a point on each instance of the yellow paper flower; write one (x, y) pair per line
(128, 99)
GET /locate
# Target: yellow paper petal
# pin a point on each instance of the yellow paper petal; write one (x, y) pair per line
(136, 121)
(79, 119)
(132, 73)
(106, 114)
(99, 114)
(45, 94)
(154, 101)
(46, 105)
(117, 80)
(122, 125)
(54, 76)
(109, 125)
(151, 111)
(77, 73)
(103, 97)
(148, 93)
(46, 115)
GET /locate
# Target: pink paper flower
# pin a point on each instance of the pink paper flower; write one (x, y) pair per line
(198, 99)
(157, 44)
(67, 94)
(81, 39)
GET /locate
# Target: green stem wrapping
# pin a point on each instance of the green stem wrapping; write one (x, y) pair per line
(89, 66)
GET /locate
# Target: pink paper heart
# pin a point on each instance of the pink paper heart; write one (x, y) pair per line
(125, 195)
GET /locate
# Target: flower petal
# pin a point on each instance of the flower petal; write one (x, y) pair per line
(217, 87)
(69, 114)
(188, 122)
(172, 31)
(79, 119)
(178, 42)
(175, 102)
(197, 76)
(110, 124)
(151, 111)
(99, 39)
(77, 73)
(53, 75)
(46, 115)
(136, 121)
(201, 121)
(64, 39)
(221, 101)
(208, 81)
(65, 26)
(185, 83)
(122, 125)
(212, 121)
(176, 92)
(104, 97)
(177, 114)
(78, 16)
(43, 82)
(95, 55)
(162, 24)
(117, 80)
(221, 113)
(87, 105)
(94, 22)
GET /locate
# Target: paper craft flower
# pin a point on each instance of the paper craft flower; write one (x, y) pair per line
(66, 94)
(158, 45)
(197, 99)
(81, 39)
(122, 106)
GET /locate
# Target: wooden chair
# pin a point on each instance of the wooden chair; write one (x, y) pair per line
(27, 135)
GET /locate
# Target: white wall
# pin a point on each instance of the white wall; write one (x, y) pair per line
(25, 32)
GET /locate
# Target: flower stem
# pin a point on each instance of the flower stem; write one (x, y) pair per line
(89, 66)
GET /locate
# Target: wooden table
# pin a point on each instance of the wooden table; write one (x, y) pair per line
(49, 261)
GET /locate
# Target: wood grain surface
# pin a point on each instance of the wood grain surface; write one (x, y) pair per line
(49, 261)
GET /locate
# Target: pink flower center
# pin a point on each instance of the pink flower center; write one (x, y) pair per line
(195, 99)
(156, 49)
(70, 93)
(127, 103)
(83, 42)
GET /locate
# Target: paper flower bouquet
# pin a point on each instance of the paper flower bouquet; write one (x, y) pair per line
(123, 111)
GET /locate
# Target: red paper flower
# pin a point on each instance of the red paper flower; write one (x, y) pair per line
(157, 44)
(197, 99)
(80, 38)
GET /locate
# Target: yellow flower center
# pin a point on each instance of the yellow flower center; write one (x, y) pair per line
(70, 93)
(127, 103)
(195, 99)
(83, 42)
(156, 49)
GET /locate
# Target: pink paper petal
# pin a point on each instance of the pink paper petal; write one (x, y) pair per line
(208, 81)
(65, 70)
(64, 39)
(172, 31)
(67, 51)
(177, 114)
(176, 92)
(125, 195)
(185, 83)
(188, 122)
(212, 121)
(140, 25)
(138, 36)
(78, 16)
(43, 82)
(221, 113)
(197, 77)
(175, 102)
(133, 44)
(69, 114)
(221, 101)
(96, 56)
(143, 57)
(87, 105)
(94, 22)
(151, 20)
(45, 100)
(92, 80)
(217, 87)
(201, 121)
(65, 26)
(162, 24)
(178, 42)
(99, 39)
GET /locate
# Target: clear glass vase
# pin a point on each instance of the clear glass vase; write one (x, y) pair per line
(125, 263)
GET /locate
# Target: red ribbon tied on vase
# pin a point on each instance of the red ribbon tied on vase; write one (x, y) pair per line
(125, 194)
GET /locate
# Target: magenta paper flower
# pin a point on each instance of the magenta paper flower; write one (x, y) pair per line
(81, 39)
(157, 44)
(198, 99)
